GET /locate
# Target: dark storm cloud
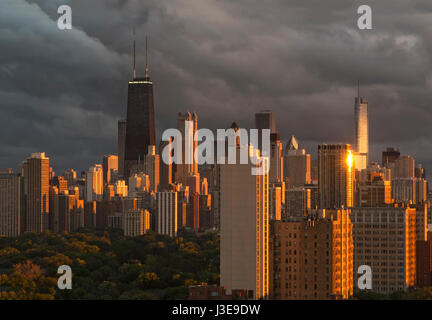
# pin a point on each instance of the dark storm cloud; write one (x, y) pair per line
(62, 91)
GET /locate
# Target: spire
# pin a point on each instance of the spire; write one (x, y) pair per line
(292, 143)
(358, 89)
(147, 72)
(134, 55)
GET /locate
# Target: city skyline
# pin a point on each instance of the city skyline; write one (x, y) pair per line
(211, 82)
(257, 151)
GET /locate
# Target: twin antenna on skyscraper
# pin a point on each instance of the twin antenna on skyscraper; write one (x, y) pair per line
(147, 73)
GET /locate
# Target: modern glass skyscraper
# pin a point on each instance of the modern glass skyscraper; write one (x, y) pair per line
(140, 128)
(361, 143)
(335, 175)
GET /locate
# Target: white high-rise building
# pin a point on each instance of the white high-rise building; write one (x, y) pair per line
(361, 143)
(167, 218)
(244, 226)
(94, 183)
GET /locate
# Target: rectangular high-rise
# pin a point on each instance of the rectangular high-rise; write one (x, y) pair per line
(244, 226)
(312, 258)
(167, 213)
(335, 175)
(10, 204)
(110, 164)
(361, 145)
(385, 240)
(187, 171)
(37, 215)
(276, 158)
(265, 120)
(297, 165)
(94, 183)
(140, 127)
(121, 144)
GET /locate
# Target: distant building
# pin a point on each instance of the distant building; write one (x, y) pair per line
(276, 158)
(121, 145)
(389, 156)
(275, 201)
(152, 168)
(187, 124)
(11, 204)
(70, 176)
(424, 262)
(136, 222)
(166, 169)
(215, 292)
(385, 240)
(361, 145)
(312, 258)
(297, 201)
(121, 189)
(94, 183)
(140, 127)
(67, 212)
(375, 193)
(297, 165)
(244, 226)
(37, 180)
(110, 164)
(61, 183)
(335, 176)
(167, 213)
(265, 120)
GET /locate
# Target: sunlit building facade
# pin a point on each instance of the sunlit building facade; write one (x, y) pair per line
(37, 180)
(385, 240)
(312, 258)
(335, 176)
(11, 214)
(361, 146)
(244, 226)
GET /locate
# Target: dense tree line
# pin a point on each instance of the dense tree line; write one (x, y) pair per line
(107, 265)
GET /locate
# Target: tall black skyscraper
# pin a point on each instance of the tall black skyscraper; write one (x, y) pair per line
(140, 128)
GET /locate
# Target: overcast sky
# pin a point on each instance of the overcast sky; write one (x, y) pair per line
(62, 92)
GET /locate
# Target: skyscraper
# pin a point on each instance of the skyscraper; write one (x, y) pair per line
(389, 156)
(110, 163)
(140, 127)
(187, 172)
(37, 215)
(94, 183)
(390, 249)
(297, 165)
(335, 175)
(403, 179)
(244, 227)
(361, 145)
(265, 120)
(10, 204)
(166, 169)
(121, 142)
(313, 257)
(276, 158)
(167, 213)
(152, 168)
